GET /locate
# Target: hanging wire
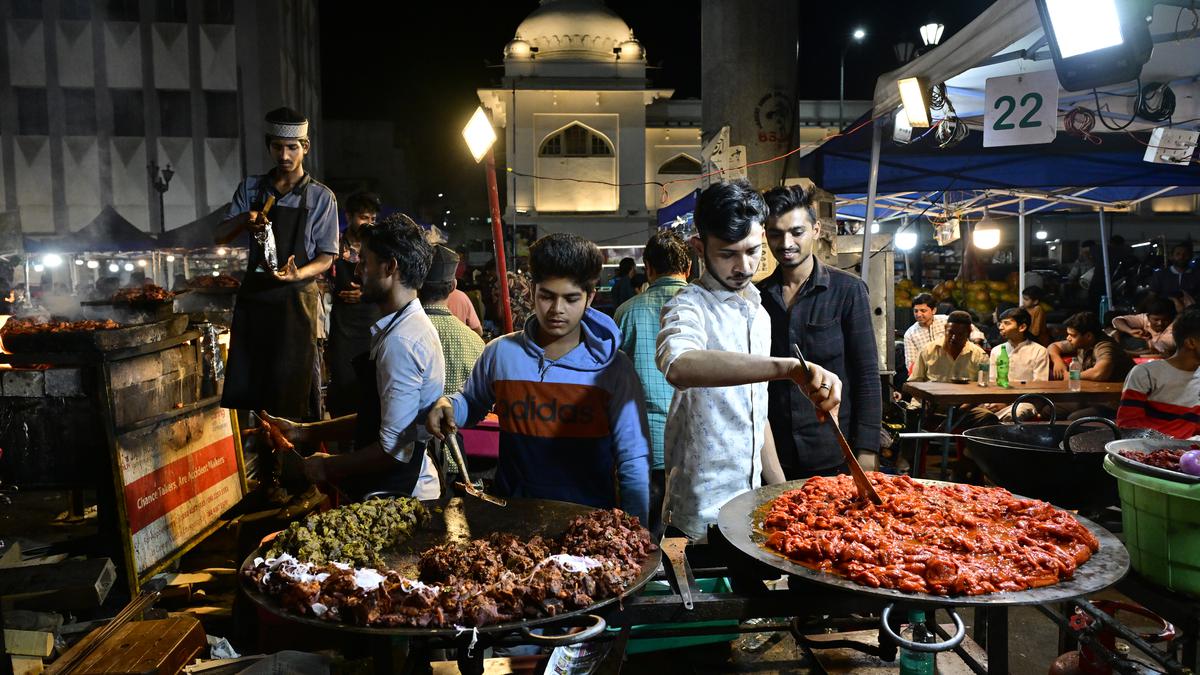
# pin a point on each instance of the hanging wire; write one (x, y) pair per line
(1080, 121)
(1157, 102)
(1136, 105)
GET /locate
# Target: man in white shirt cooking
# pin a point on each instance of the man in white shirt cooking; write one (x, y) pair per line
(714, 347)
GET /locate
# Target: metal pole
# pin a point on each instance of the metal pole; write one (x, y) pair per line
(876, 297)
(872, 185)
(1022, 245)
(498, 241)
(1104, 255)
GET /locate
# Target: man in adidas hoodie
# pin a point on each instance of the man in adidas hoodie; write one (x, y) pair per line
(571, 407)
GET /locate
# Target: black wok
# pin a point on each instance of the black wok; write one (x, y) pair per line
(1055, 462)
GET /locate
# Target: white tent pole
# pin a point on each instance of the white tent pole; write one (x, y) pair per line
(872, 186)
(1104, 255)
(1022, 246)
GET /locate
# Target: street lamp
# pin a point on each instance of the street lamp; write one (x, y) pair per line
(931, 34)
(161, 180)
(480, 137)
(858, 36)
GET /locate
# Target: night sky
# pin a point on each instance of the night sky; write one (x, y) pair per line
(420, 64)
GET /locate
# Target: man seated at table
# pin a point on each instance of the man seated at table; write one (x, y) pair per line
(1027, 361)
(929, 327)
(1164, 394)
(1152, 327)
(954, 358)
(1101, 357)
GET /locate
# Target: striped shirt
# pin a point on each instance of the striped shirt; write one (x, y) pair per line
(1157, 395)
(638, 319)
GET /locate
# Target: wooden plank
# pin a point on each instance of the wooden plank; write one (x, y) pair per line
(26, 665)
(28, 642)
(71, 584)
(160, 646)
(946, 393)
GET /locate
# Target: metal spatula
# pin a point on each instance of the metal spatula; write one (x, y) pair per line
(865, 489)
(466, 483)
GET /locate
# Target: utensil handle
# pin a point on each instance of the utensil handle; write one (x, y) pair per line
(597, 627)
(922, 435)
(452, 441)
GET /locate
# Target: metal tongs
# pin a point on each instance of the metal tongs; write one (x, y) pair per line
(866, 491)
(466, 483)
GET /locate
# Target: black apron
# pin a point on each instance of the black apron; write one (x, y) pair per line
(272, 341)
(402, 479)
(349, 335)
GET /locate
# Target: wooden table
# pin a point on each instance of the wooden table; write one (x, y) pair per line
(945, 393)
(948, 395)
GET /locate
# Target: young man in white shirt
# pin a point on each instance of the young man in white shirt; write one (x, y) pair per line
(1027, 360)
(714, 347)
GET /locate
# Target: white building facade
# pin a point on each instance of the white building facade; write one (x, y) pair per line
(93, 92)
(584, 130)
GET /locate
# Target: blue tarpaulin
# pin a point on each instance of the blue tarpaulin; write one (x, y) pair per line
(678, 212)
(842, 165)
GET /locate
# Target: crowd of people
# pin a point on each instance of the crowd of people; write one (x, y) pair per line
(1162, 392)
(688, 394)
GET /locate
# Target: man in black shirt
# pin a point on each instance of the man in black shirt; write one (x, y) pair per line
(826, 312)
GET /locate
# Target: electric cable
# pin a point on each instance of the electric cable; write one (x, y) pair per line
(1161, 110)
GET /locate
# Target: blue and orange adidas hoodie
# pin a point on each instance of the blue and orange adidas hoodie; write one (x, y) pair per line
(574, 429)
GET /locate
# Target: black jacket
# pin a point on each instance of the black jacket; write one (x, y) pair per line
(831, 321)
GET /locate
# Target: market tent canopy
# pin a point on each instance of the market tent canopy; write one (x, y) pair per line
(196, 234)
(108, 232)
(679, 210)
(842, 165)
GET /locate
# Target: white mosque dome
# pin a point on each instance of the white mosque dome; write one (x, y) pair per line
(573, 29)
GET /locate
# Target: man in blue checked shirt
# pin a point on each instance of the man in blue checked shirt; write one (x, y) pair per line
(667, 263)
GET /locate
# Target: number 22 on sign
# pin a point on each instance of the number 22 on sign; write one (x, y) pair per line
(1020, 109)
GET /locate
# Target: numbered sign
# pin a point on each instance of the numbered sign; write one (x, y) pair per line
(1020, 109)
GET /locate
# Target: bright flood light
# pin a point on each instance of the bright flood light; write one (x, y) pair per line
(52, 260)
(916, 102)
(39, 267)
(114, 267)
(859, 34)
(875, 228)
(1083, 26)
(222, 251)
(141, 263)
(93, 264)
(906, 241)
(170, 258)
(479, 134)
(128, 267)
(1041, 235)
(986, 239)
(79, 261)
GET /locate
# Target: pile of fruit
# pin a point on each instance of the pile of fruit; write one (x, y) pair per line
(981, 297)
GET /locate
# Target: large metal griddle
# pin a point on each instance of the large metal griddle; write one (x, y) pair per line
(740, 517)
(459, 520)
(97, 340)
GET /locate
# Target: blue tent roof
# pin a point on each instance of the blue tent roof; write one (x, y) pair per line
(680, 208)
(842, 164)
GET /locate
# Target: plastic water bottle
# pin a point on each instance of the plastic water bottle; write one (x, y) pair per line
(1002, 367)
(917, 663)
(983, 373)
(1075, 374)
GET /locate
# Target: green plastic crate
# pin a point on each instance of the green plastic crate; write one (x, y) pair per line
(640, 645)
(1161, 521)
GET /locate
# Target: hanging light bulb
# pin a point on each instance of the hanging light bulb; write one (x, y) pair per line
(1040, 235)
(986, 235)
(906, 241)
(93, 264)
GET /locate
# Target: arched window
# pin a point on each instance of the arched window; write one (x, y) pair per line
(681, 164)
(575, 140)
